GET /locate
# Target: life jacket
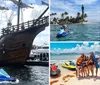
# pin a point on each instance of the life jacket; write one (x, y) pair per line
(79, 61)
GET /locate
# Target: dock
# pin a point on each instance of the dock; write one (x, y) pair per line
(37, 63)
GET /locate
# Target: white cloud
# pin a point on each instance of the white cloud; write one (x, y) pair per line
(69, 7)
(84, 1)
(84, 48)
(85, 43)
(32, 1)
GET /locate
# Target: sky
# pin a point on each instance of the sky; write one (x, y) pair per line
(91, 7)
(28, 14)
(74, 47)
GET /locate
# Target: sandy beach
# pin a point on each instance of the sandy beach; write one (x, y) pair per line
(78, 23)
(88, 23)
(54, 24)
(68, 77)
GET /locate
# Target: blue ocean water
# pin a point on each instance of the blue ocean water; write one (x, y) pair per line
(78, 32)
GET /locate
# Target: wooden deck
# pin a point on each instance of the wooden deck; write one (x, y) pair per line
(26, 25)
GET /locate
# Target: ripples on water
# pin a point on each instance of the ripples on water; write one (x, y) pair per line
(31, 75)
(78, 32)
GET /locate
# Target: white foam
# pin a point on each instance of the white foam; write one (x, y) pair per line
(10, 82)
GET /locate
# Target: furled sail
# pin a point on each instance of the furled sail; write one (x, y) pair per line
(22, 5)
(3, 8)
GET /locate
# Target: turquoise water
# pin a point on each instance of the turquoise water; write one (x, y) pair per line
(68, 56)
(78, 32)
(60, 59)
(64, 56)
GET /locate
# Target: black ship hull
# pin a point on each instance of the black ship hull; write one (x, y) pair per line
(15, 47)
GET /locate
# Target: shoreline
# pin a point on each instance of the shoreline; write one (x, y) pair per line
(78, 23)
(88, 23)
(68, 77)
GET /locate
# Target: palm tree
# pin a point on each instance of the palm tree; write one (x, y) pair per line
(71, 17)
(65, 13)
(78, 15)
(85, 15)
(55, 20)
(67, 19)
(78, 18)
(53, 14)
(62, 15)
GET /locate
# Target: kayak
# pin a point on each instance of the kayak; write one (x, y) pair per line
(54, 71)
(68, 66)
(62, 34)
(5, 78)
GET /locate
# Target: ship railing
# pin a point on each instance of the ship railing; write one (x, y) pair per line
(26, 25)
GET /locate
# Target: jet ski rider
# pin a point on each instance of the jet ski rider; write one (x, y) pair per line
(64, 28)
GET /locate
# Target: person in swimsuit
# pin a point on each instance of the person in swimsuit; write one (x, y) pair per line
(95, 63)
(91, 64)
(86, 69)
(87, 65)
(78, 64)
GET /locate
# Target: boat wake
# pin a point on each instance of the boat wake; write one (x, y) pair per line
(9, 82)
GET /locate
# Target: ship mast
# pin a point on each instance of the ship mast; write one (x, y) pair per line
(18, 17)
(44, 10)
(19, 6)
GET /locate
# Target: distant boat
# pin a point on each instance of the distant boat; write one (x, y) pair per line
(42, 49)
(41, 53)
(16, 41)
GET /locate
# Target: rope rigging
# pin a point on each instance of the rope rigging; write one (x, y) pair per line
(9, 17)
(39, 11)
(22, 19)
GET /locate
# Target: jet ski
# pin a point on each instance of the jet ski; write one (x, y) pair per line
(62, 33)
(69, 65)
(5, 78)
(54, 71)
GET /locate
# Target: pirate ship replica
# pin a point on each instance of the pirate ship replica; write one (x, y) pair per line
(16, 40)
